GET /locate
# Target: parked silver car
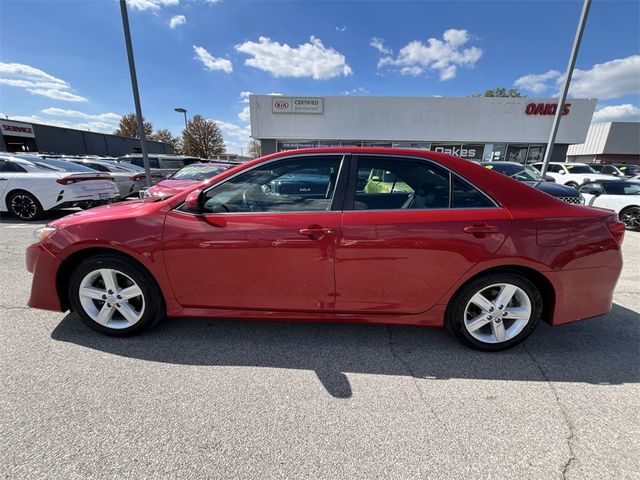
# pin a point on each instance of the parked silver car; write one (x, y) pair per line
(162, 164)
(129, 181)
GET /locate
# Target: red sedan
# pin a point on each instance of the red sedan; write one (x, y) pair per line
(185, 178)
(373, 235)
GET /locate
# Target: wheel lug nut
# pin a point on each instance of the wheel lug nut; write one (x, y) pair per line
(108, 305)
(119, 297)
(118, 305)
(110, 292)
(104, 297)
(491, 309)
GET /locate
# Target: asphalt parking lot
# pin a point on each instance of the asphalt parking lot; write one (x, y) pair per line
(228, 399)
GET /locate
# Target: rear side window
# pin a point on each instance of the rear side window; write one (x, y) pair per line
(13, 167)
(388, 183)
(97, 166)
(153, 162)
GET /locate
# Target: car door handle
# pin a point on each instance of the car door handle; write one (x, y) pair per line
(480, 229)
(3, 179)
(316, 232)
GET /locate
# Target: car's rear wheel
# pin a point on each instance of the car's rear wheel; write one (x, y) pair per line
(630, 216)
(115, 296)
(495, 311)
(24, 206)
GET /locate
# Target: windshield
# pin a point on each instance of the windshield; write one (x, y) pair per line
(528, 174)
(198, 173)
(579, 169)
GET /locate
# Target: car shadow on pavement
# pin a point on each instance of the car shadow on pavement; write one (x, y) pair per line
(48, 216)
(604, 350)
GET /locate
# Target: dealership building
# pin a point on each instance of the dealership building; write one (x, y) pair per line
(475, 128)
(609, 142)
(34, 137)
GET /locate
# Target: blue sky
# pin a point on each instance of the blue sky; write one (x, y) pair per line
(64, 62)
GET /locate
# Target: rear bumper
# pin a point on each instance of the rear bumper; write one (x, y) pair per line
(584, 293)
(44, 267)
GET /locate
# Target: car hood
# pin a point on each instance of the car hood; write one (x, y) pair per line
(555, 189)
(125, 209)
(171, 187)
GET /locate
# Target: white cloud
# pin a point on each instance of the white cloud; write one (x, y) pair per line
(343, 28)
(611, 79)
(152, 5)
(236, 137)
(37, 82)
(537, 83)
(378, 44)
(94, 126)
(176, 21)
(617, 113)
(63, 112)
(356, 91)
(213, 2)
(245, 114)
(608, 80)
(210, 62)
(310, 59)
(444, 56)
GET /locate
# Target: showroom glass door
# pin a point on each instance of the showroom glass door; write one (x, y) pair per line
(266, 239)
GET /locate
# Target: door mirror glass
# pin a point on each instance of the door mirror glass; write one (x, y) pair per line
(375, 178)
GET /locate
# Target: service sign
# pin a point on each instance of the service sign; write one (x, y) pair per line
(16, 129)
(297, 105)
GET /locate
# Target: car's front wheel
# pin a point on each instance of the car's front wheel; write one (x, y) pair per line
(495, 311)
(115, 296)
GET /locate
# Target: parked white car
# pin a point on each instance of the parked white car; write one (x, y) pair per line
(28, 187)
(623, 196)
(129, 181)
(572, 174)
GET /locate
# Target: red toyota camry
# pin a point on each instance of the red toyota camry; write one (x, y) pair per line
(385, 236)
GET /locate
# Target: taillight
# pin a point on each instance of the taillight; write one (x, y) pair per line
(616, 229)
(65, 181)
(137, 177)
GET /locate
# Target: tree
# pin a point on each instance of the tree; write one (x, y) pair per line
(166, 136)
(128, 126)
(500, 92)
(255, 149)
(203, 137)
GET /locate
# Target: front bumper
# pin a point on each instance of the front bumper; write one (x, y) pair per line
(44, 267)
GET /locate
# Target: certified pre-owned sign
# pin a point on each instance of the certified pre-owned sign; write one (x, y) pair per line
(297, 105)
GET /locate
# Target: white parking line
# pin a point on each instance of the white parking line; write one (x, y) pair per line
(20, 225)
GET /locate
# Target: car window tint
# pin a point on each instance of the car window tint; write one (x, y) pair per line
(6, 166)
(153, 162)
(464, 195)
(97, 166)
(400, 184)
(622, 188)
(292, 185)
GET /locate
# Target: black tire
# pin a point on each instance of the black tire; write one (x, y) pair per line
(24, 205)
(456, 310)
(153, 302)
(572, 185)
(630, 216)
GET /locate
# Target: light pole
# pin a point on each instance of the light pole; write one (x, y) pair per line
(565, 87)
(134, 87)
(186, 127)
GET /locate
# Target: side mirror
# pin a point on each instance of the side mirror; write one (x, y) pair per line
(549, 178)
(561, 172)
(375, 178)
(192, 202)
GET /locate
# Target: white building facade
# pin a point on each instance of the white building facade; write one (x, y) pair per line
(475, 128)
(610, 142)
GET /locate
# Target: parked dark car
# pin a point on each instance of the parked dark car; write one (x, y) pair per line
(531, 176)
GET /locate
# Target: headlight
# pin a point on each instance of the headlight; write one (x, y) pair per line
(43, 232)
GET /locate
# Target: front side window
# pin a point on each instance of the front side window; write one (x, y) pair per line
(405, 184)
(580, 169)
(304, 184)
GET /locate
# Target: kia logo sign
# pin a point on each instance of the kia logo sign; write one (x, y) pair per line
(281, 105)
(545, 109)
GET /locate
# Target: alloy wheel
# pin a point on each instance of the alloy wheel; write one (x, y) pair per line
(631, 218)
(497, 313)
(111, 298)
(23, 206)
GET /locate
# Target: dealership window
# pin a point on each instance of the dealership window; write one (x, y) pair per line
(517, 153)
(302, 184)
(536, 153)
(377, 143)
(420, 145)
(494, 152)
